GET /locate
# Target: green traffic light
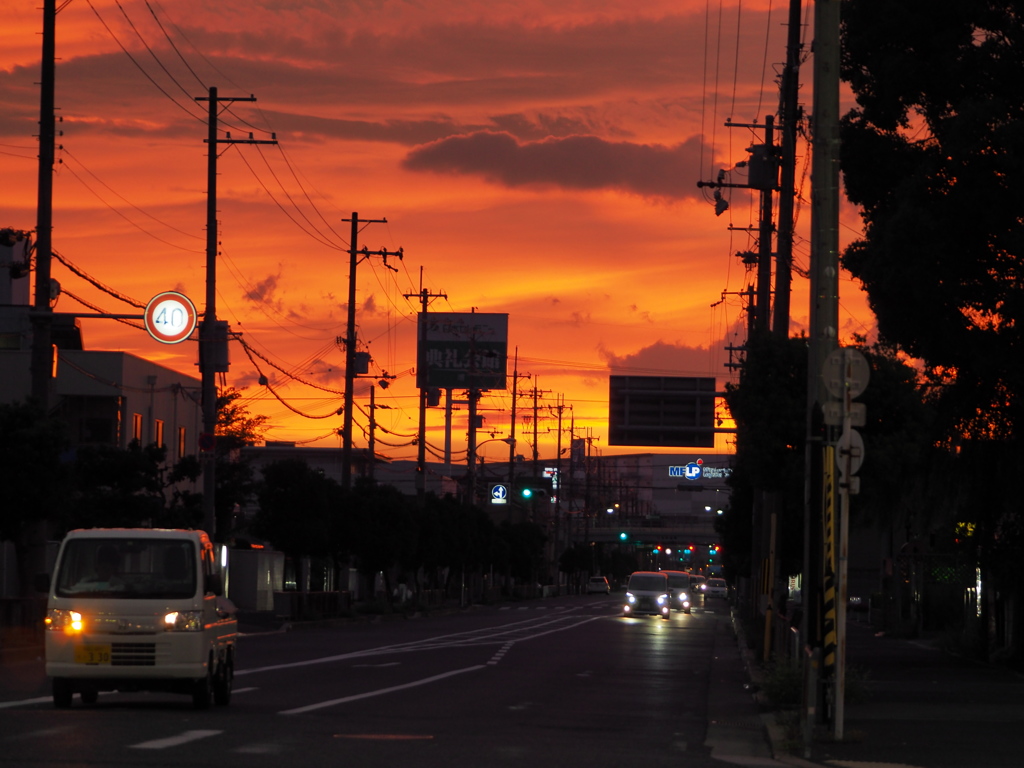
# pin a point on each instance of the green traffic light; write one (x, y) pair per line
(623, 536)
(527, 493)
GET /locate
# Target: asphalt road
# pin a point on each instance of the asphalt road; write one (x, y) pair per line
(563, 682)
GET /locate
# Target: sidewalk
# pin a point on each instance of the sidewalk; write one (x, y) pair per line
(924, 709)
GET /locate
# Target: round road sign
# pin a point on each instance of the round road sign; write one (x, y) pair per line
(170, 317)
(846, 371)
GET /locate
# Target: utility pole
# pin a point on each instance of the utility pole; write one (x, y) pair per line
(558, 478)
(764, 240)
(789, 118)
(42, 315)
(819, 616)
(421, 444)
(763, 176)
(213, 339)
(474, 396)
(350, 337)
(512, 428)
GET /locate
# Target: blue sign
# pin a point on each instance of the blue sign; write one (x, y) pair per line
(499, 494)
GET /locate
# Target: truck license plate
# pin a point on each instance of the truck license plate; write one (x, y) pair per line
(92, 654)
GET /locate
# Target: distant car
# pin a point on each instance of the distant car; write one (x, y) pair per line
(679, 589)
(597, 585)
(716, 588)
(698, 586)
(647, 593)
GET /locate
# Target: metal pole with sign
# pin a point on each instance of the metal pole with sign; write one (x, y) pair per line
(846, 374)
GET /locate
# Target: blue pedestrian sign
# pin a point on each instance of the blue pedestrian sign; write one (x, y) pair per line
(499, 494)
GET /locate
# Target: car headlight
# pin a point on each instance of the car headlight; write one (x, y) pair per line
(630, 597)
(63, 620)
(662, 599)
(184, 621)
(683, 597)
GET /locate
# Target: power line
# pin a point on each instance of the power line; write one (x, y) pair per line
(141, 69)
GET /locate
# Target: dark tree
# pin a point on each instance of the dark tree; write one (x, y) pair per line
(298, 509)
(35, 474)
(382, 528)
(769, 406)
(525, 546)
(236, 483)
(934, 156)
(129, 487)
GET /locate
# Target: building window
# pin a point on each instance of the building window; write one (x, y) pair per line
(158, 432)
(181, 442)
(137, 427)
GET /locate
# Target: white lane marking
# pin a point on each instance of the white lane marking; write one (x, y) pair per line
(489, 635)
(39, 733)
(23, 702)
(381, 692)
(175, 741)
(500, 654)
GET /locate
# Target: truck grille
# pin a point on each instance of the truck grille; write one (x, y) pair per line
(133, 654)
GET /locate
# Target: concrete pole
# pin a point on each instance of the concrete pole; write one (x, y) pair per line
(42, 315)
(824, 273)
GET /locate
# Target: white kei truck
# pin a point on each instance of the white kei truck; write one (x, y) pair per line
(139, 609)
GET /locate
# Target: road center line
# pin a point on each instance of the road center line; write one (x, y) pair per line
(381, 692)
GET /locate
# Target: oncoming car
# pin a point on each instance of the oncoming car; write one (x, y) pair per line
(599, 585)
(647, 593)
(716, 588)
(679, 590)
(698, 585)
(139, 610)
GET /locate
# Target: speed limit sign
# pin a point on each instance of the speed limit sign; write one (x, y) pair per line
(170, 317)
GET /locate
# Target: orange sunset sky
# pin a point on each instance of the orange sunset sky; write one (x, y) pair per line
(532, 157)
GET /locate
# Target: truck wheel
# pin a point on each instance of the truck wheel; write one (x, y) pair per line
(223, 684)
(61, 693)
(201, 691)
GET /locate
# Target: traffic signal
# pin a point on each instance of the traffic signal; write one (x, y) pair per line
(623, 536)
(533, 488)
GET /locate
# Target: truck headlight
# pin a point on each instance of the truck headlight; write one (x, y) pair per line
(184, 621)
(630, 598)
(662, 599)
(63, 620)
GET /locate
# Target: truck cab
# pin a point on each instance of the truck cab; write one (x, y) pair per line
(132, 609)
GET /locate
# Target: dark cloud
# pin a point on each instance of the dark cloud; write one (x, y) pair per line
(573, 162)
(663, 359)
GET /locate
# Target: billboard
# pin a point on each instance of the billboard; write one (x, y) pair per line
(462, 350)
(665, 411)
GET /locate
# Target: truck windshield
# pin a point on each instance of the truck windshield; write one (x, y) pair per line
(127, 568)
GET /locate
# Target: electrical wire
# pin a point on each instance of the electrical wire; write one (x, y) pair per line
(249, 351)
(142, 229)
(89, 279)
(141, 69)
(95, 308)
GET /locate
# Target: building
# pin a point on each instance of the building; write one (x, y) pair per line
(105, 397)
